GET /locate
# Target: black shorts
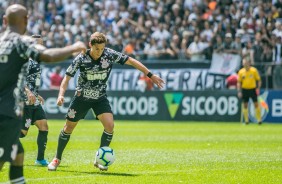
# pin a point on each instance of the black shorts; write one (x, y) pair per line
(9, 138)
(31, 115)
(249, 93)
(79, 107)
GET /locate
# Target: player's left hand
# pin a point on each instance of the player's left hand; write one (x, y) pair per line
(158, 81)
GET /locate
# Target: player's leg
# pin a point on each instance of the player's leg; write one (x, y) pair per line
(42, 139)
(245, 97)
(16, 167)
(103, 112)
(254, 97)
(10, 148)
(77, 110)
(108, 122)
(63, 140)
(40, 121)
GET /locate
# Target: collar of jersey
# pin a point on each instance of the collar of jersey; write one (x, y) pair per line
(92, 59)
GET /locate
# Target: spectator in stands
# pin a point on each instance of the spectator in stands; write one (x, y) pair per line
(151, 50)
(71, 20)
(256, 54)
(229, 45)
(218, 45)
(277, 50)
(56, 79)
(231, 81)
(246, 51)
(196, 48)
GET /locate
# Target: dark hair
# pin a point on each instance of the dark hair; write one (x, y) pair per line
(97, 38)
(36, 36)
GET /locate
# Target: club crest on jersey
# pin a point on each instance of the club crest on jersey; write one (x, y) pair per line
(27, 123)
(71, 113)
(104, 63)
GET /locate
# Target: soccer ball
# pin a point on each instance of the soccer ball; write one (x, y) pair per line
(105, 156)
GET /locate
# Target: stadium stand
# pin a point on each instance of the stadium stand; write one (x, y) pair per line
(157, 30)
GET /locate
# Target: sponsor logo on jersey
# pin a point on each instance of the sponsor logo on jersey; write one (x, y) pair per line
(97, 76)
(88, 93)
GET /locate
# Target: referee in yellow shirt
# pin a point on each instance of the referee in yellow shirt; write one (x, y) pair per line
(248, 86)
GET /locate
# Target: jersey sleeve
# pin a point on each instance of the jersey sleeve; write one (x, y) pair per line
(257, 76)
(117, 57)
(72, 69)
(28, 48)
(240, 76)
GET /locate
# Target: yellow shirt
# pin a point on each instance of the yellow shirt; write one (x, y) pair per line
(248, 78)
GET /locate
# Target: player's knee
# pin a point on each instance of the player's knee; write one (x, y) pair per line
(42, 125)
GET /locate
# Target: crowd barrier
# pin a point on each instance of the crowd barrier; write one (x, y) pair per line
(207, 105)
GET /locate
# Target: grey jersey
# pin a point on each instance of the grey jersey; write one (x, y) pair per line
(94, 74)
(15, 50)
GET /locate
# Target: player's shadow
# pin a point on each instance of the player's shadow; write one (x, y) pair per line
(100, 173)
(39, 166)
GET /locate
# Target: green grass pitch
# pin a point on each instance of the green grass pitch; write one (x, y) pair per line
(162, 152)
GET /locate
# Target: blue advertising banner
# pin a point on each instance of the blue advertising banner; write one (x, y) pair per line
(207, 105)
(274, 102)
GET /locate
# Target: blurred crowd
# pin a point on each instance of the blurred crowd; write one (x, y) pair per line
(167, 29)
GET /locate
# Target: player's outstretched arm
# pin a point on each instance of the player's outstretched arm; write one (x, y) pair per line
(62, 91)
(138, 65)
(59, 54)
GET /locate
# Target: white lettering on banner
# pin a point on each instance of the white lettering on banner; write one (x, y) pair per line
(277, 108)
(51, 107)
(210, 105)
(175, 79)
(126, 79)
(134, 105)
